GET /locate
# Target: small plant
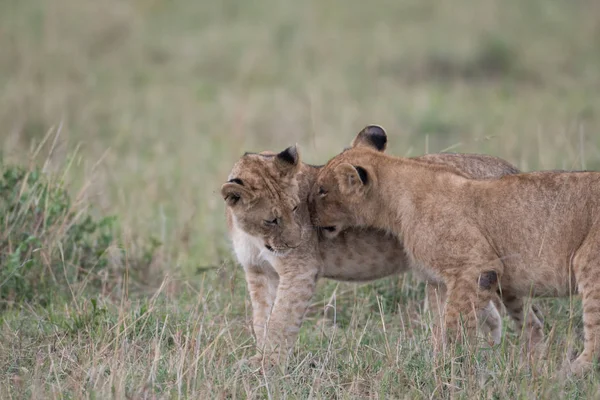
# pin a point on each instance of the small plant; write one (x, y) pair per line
(84, 318)
(48, 247)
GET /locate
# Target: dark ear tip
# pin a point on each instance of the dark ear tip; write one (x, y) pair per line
(376, 130)
(292, 150)
(374, 135)
(289, 155)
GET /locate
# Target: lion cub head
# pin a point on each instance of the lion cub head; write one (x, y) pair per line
(341, 186)
(261, 195)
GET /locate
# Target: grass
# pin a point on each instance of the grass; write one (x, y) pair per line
(146, 105)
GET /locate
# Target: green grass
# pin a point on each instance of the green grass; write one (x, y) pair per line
(145, 106)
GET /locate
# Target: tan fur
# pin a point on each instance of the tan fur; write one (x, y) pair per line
(281, 281)
(539, 233)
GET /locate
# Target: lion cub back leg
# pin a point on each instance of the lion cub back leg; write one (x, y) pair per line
(586, 266)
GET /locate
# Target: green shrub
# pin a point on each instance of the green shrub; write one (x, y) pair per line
(48, 246)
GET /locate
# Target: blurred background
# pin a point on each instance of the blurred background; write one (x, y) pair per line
(140, 109)
(158, 99)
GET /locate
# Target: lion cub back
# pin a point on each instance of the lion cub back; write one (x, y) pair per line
(476, 166)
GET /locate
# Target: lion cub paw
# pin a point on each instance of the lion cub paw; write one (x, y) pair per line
(576, 368)
(260, 362)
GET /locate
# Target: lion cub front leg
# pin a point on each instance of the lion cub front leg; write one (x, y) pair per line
(262, 284)
(491, 321)
(526, 319)
(435, 300)
(468, 302)
(296, 288)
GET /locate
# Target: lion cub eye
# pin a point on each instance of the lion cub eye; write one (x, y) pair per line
(271, 222)
(294, 209)
(322, 192)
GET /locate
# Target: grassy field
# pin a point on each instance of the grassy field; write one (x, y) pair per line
(141, 108)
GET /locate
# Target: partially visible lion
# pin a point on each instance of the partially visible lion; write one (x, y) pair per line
(534, 234)
(283, 255)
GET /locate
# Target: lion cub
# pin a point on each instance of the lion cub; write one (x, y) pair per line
(527, 234)
(283, 255)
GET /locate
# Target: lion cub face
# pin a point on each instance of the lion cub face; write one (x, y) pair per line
(261, 195)
(342, 186)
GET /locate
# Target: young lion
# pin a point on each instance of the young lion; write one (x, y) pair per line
(283, 256)
(527, 234)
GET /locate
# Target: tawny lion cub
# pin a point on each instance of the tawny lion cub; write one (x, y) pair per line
(283, 255)
(536, 234)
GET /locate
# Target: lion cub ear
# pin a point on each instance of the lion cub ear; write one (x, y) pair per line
(288, 160)
(372, 136)
(234, 192)
(352, 179)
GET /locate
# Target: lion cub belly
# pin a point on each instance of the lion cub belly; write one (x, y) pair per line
(547, 280)
(360, 255)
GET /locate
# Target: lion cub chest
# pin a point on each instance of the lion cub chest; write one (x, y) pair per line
(250, 251)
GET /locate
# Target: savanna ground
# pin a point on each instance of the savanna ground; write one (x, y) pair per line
(140, 109)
